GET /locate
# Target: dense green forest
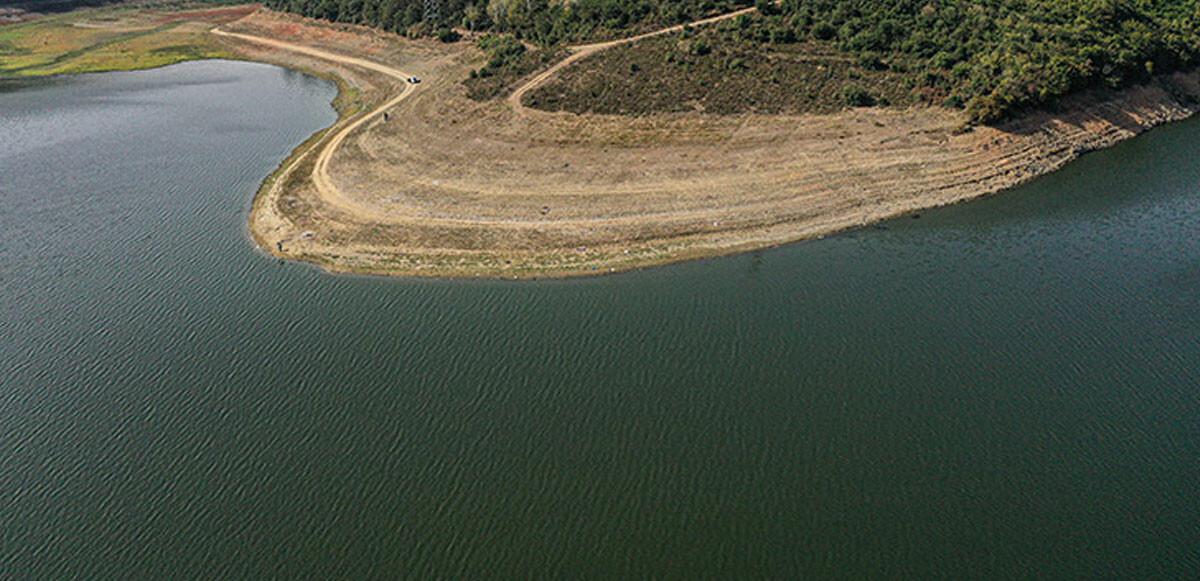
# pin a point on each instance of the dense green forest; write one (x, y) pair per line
(995, 56)
(545, 22)
(990, 56)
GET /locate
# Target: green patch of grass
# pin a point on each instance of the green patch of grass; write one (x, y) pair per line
(105, 39)
(184, 50)
(10, 48)
(52, 61)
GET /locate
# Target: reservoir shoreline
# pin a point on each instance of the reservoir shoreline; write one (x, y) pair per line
(949, 164)
(766, 180)
(996, 390)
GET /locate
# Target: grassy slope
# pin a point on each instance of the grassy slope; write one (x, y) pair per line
(109, 39)
(716, 70)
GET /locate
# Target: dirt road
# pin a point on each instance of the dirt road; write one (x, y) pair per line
(320, 173)
(468, 188)
(583, 51)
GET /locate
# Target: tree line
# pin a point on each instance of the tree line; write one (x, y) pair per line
(998, 56)
(991, 57)
(543, 22)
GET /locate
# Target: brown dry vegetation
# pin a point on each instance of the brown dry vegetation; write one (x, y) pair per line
(712, 69)
(490, 85)
(455, 187)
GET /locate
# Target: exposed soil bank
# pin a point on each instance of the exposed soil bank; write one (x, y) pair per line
(445, 186)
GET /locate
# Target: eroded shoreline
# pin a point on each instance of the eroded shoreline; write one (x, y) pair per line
(625, 197)
(453, 188)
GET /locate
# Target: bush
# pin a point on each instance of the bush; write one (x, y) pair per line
(503, 51)
(782, 35)
(872, 62)
(448, 35)
(824, 31)
(856, 96)
(767, 7)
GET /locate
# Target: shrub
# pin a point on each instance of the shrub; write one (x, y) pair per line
(856, 96)
(824, 31)
(872, 62)
(767, 6)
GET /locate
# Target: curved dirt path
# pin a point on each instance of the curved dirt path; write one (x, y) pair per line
(780, 183)
(583, 51)
(320, 173)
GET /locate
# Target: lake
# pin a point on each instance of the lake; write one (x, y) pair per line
(1005, 388)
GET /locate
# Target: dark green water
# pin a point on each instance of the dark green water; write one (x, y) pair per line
(1003, 389)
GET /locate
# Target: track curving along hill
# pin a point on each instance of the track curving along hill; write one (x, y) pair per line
(580, 52)
(462, 188)
(320, 174)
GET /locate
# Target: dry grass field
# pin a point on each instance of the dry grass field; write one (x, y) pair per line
(714, 70)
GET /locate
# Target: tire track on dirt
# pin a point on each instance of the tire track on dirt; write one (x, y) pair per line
(583, 51)
(320, 175)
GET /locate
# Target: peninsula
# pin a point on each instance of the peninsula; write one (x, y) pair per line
(519, 140)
